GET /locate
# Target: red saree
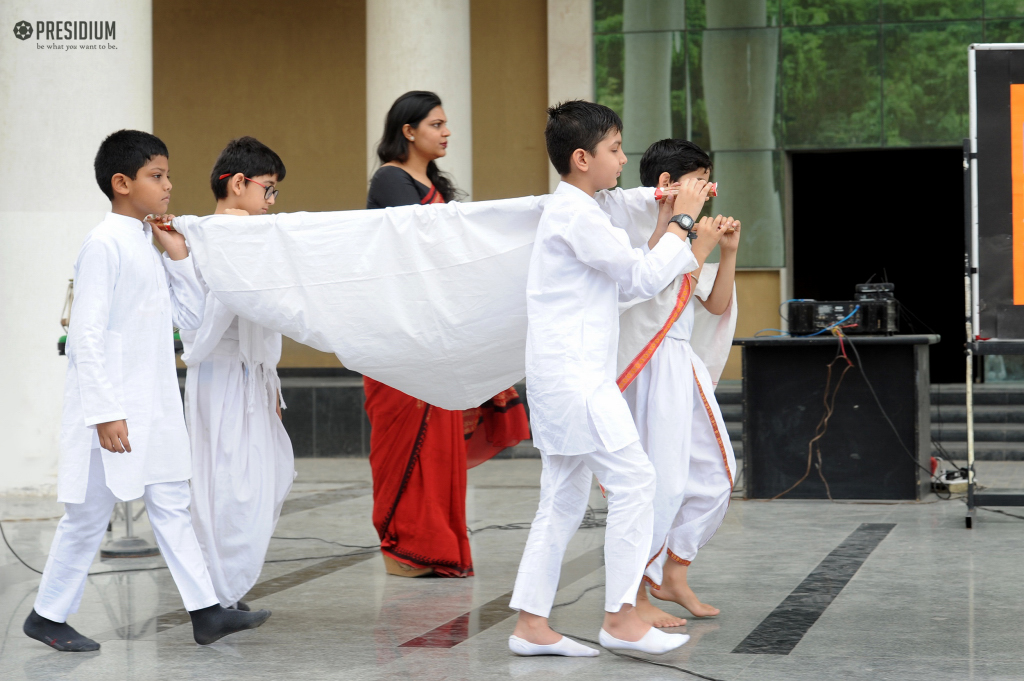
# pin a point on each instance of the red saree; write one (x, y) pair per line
(419, 455)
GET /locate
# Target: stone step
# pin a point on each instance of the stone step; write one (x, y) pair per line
(984, 393)
(983, 432)
(990, 413)
(729, 392)
(732, 412)
(983, 451)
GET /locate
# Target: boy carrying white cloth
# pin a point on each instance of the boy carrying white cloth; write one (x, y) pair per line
(580, 421)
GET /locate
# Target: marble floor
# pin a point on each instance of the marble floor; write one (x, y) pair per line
(809, 590)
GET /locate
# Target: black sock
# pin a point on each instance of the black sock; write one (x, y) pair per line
(215, 622)
(240, 605)
(57, 635)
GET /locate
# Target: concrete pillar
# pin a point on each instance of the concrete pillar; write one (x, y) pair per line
(647, 105)
(739, 71)
(421, 45)
(570, 55)
(59, 97)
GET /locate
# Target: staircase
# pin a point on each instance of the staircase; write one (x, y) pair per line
(998, 419)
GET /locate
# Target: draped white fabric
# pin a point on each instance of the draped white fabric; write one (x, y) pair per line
(430, 300)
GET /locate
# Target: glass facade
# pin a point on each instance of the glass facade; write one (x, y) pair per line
(749, 79)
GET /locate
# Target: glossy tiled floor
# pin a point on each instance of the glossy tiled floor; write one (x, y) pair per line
(808, 590)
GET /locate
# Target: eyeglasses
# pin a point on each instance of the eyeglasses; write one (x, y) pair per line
(270, 191)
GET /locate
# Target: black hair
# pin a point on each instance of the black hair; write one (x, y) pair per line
(410, 109)
(577, 124)
(125, 152)
(246, 155)
(672, 156)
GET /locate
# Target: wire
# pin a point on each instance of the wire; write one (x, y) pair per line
(784, 333)
(328, 541)
(885, 414)
(641, 659)
(591, 520)
(819, 432)
(576, 600)
(792, 300)
(996, 510)
(21, 560)
(856, 309)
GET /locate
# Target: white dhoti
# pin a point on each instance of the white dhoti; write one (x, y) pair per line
(682, 430)
(673, 403)
(628, 480)
(81, 530)
(242, 459)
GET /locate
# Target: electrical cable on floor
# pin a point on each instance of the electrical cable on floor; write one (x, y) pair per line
(576, 600)
(591, 519)
(328, 541)
(21, 560)
(642, 659)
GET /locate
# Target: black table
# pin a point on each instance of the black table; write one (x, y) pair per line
(784, 382)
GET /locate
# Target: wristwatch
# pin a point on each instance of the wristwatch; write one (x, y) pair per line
(686, 223)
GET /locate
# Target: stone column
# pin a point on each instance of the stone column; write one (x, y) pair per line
(421, 45)
(739, 72)
(570, 55)
(60, 95)
(647, 105)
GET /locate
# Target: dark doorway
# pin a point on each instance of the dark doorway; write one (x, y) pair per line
(893, 214)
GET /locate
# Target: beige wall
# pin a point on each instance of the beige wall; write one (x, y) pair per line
(758, 294)
(510, 92)
(293, 76)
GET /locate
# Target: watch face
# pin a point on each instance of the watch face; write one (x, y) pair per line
(684, 221)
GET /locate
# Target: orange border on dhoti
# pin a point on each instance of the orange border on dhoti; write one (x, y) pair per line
(640, 361)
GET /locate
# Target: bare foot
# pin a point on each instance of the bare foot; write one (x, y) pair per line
(676, 589)
(654, 615)
(535, 629)
(625, 624)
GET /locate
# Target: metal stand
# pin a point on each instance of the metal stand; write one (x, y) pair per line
(978, 347)
(128, 546)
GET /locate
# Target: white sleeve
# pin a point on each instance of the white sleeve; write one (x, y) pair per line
(96, 274)
(601, 246)
(634, 210)
(188, 300)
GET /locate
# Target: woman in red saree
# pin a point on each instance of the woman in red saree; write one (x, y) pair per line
(419, 453)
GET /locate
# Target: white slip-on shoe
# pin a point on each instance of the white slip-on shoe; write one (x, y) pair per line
(565, 647)
(655, 642)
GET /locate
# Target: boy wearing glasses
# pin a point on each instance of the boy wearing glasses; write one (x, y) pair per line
(242, 460)
(121, 374)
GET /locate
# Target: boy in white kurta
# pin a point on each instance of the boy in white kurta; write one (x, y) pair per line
(673, 404)
(242, 459)
(121, 374)
(580, 421)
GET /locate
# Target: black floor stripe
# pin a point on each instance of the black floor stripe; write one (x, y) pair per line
(268, 587)
(495, 611)
(781, 630)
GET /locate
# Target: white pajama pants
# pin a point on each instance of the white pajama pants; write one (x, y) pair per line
(682, 430)
(628, 480)
(81, 530)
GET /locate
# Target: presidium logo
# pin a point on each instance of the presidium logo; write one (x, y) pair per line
(67, 30)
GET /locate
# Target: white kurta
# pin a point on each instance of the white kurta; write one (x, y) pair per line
(579, 265)
(242, 459)
(120, 348)
(579, 419)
